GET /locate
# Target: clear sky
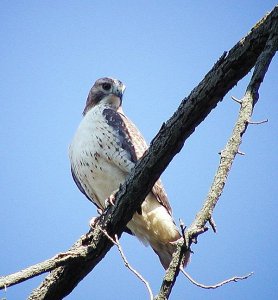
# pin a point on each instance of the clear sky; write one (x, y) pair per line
(51, 53)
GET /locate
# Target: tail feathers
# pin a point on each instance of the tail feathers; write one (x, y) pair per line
(165, 253)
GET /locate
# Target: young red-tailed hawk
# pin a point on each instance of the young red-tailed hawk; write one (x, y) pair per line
(103, 152)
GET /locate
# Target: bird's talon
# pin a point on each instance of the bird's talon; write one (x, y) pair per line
(174, 242)
(110, 201)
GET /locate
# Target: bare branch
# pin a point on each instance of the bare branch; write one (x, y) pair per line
(182, 227)
(40, 268)
(212, 224)
(217, 285)
(237, 100)
(230, 68)
(226, 159)
(258, 122)
(172, 273)
(240, 152)
(137, 274)
(232, 148)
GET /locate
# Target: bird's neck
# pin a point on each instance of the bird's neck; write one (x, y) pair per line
(102, 106)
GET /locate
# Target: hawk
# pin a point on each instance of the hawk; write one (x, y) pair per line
(105, 148)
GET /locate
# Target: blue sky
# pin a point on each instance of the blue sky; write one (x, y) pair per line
(51, 53)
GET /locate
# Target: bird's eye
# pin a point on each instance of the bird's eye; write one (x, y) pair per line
(106, 86)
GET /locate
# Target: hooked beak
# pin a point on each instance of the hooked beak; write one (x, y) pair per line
(118, 89)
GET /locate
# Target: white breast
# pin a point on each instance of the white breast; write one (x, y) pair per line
(90, 152)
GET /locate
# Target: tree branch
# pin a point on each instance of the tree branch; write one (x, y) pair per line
(38, 269)
(127, 264)
(227, 158)
(217, 285)
(192, 111)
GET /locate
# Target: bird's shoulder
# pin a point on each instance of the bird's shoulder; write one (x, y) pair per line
(132, 141)
(126, 133)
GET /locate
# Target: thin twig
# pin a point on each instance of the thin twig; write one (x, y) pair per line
(237, 100)
(127, 264)
(217, 285)
(212, 224)
(258, 122)
(182, 227)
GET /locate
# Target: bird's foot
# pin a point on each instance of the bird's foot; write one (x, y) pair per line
(110, 200)
(94, 220)
(176, 241)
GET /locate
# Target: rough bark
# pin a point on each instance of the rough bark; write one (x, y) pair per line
(227, 157)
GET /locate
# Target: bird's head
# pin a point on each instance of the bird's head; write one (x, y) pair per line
(107, 91)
